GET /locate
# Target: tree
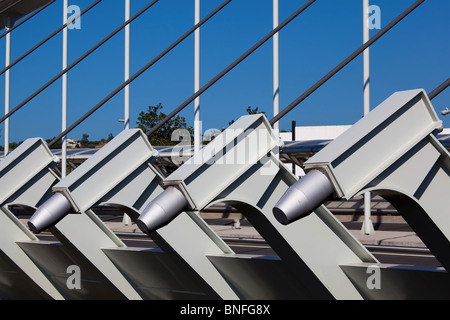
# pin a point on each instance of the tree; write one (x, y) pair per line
(249, 110)
(163, 136)
(84, 142)
(254, 110)
(56, 145)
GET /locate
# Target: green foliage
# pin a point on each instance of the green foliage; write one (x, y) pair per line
(85, 143)
(254, 110)
(249, 110)
(146, 120)
(12, 146)
(56, 145)
(163, 137)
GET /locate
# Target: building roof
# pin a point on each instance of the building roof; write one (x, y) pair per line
(293, 151)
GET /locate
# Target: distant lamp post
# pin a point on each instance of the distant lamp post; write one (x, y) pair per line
(445, 112)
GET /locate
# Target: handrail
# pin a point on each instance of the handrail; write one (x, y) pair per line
(345, 62)
(73, 64)
(138, 73)
(230, 67)
(54, 33)
(26, 19)
(433, 94)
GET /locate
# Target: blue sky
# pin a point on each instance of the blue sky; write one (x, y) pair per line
(415, 54)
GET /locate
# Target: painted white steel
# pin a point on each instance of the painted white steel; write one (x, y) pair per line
(197, 123)
(7, 88)
(64, 92)
(127, 65)
(276, 66)
(367, 225)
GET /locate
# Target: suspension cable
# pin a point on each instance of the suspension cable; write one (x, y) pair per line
(137, 74)
(54, 33)
(345, 62)
(433, 94)
(26, 19)
(229, 68)
(60, 74)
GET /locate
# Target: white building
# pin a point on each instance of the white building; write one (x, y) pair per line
(315, 133)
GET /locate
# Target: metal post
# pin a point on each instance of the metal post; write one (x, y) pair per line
(73, 64)
(366, 54)
(197, 124)
(127, 65)
(276, 66)
(231, 66)
(126, 219)
(294, 125)
(64, 92)
(9, 23)
(367, 225)
(132, 78)
(340, 66)
(50, 36)
(7, 82)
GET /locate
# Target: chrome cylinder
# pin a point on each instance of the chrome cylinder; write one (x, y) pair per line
(163, 209)
(303, 197)
(49, 213)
